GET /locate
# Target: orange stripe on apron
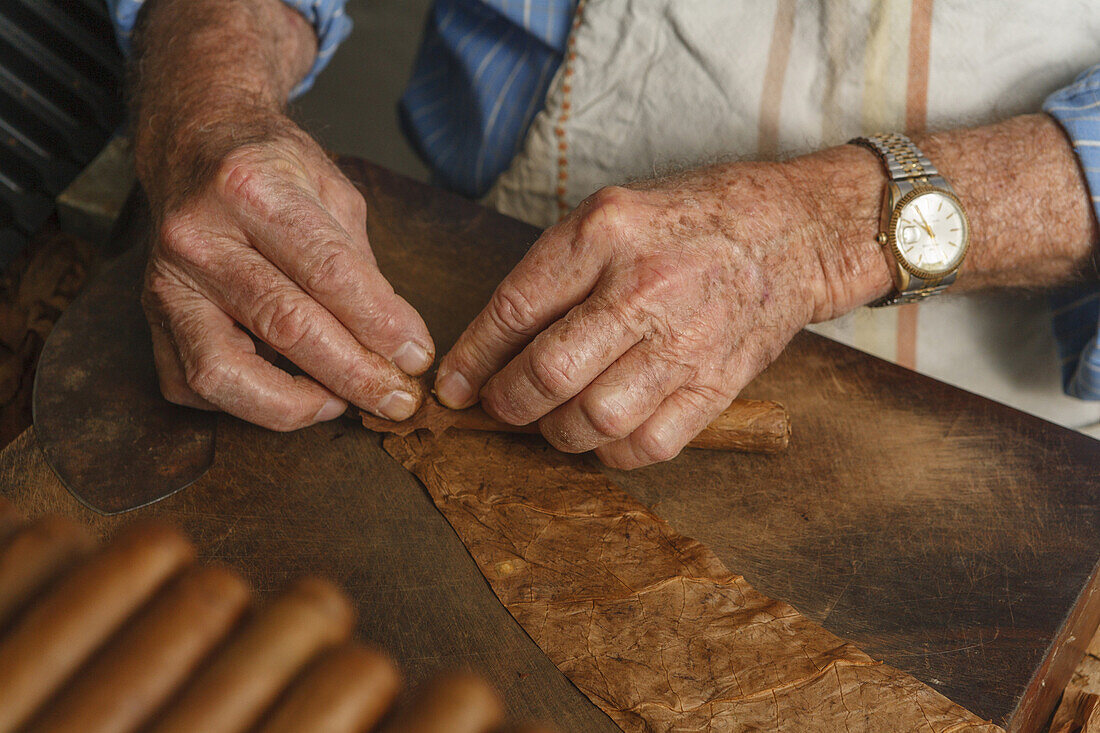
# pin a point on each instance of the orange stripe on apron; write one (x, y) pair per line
(916, 115)
(778, 54)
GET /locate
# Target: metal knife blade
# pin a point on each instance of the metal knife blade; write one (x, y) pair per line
(103, 425)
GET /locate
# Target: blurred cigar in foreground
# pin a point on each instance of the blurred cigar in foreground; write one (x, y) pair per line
(747, 426)
(135, 635)
(453, 703)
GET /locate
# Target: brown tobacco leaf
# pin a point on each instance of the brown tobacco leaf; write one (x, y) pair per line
(34, 289)
(431, 416)
(1078, 712)
(649, 624)
(435, 418)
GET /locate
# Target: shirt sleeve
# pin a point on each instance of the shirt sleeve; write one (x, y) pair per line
(328, 18)
(1077, 310)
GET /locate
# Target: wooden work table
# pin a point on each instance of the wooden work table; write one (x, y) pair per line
(953, 537)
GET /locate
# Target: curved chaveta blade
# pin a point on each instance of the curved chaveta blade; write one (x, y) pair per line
(103, 425)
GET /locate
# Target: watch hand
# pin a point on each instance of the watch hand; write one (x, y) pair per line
(924, 223)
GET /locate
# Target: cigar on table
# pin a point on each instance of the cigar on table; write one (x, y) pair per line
(247, 675)
(454, 702)
(111, 641)
(349, 689)
(151, 657)
(748, 426)
(82, 610)
(35, 555)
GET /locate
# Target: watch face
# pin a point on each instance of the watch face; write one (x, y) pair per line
(932, 233)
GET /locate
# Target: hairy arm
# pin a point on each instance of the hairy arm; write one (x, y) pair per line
(1032, 222)
(202, 64)
(631, 324)
(258, 233)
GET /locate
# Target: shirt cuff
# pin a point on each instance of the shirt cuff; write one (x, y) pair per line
(1077, 312)
(1077, 110)
(332, 25)
(328, 18)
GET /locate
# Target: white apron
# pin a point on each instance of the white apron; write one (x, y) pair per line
(650, 86)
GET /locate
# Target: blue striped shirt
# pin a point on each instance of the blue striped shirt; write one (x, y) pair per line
(480, 77)
(1077, 310)
(482, 74)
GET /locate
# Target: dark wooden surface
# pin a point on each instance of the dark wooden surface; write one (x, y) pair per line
(955, 538)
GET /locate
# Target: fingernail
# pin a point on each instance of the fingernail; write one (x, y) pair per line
(454, 391)
(397, 406)
(412, 358)
(331, 410)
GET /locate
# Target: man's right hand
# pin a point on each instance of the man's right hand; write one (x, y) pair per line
(261, 234)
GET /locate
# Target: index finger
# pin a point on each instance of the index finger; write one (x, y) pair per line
(261, 298)
(552, 277)
(336, 268)
(219, 361)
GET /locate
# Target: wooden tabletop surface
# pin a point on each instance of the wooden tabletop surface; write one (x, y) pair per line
(953, 537)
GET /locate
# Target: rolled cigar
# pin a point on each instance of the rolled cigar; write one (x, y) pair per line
(451, 703)
(245, 678)
(749, 426)
(347, 691)
(35, 556)
(60, 631)
(148, 661)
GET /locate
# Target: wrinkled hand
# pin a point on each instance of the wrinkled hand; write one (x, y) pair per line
(267, 235)
(634, 322)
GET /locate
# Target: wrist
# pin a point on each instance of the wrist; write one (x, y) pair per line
(209, 75)
(842, 190)
(176, 158)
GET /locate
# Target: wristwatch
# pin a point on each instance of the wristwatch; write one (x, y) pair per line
(925, 232)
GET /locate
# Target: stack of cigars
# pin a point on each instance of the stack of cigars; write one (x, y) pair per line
(135, 635)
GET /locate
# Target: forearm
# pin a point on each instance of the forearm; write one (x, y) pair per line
(1032, 223)
(203, 64)
(682, 289)
(1030, 210)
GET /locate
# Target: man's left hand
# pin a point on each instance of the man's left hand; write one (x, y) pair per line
(634, 322)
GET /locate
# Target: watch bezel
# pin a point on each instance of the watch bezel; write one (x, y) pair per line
(892, 225)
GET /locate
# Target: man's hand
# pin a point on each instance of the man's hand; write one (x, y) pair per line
(276, 242)
(631, 324)
(258, 236)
